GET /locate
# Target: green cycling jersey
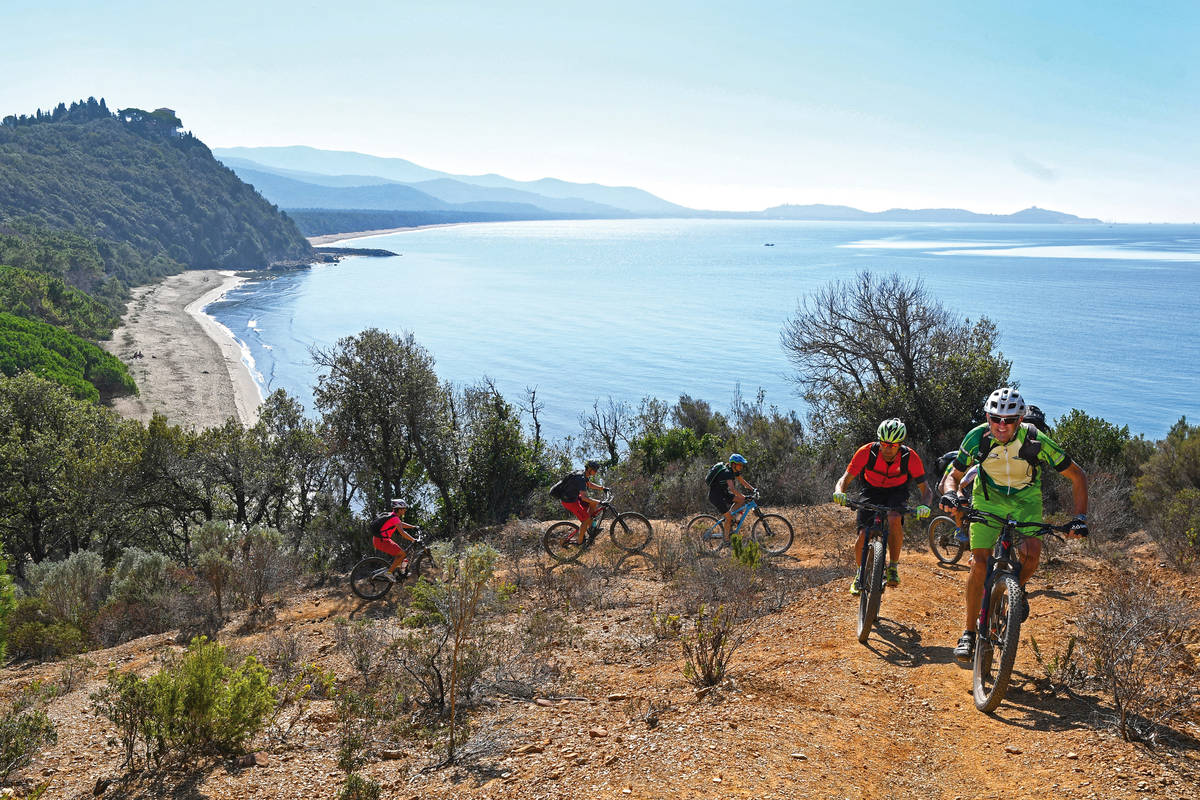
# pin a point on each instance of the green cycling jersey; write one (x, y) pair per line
(1003, 469)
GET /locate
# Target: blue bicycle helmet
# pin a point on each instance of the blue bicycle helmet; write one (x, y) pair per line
(737, 458)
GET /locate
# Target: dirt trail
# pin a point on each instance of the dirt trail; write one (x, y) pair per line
(811, 713)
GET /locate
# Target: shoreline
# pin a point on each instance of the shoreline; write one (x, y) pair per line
(192, 369)
(325, 239)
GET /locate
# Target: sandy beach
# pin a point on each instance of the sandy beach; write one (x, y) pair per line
(334, 238)
(191, 368)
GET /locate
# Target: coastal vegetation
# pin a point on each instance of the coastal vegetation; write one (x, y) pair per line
(118, 529)
(95, 202)
(132, 177)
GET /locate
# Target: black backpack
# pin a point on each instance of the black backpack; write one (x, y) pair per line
(939, 466)
(1028, 452)
(375, 526)
(558, 490)
(713, 472)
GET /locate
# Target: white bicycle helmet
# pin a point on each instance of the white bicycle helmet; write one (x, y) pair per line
(398, 503)
(1005, 402)
(892, 430)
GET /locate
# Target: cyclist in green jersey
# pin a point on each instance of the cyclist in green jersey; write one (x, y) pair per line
(1010, 456)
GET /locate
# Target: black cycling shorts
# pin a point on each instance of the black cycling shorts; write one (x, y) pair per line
(893, 496)
(720, 497)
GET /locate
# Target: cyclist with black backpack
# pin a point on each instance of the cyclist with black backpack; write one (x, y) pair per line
(723, 479)
(887, 467)
(571, 491)
(1010, 454)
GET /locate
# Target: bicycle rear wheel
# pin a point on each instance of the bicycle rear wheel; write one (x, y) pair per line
(630, 531)
(773, 534)
(704, 533)
(871, 588)
(996, 646)
(943, 540)
(369, 578)
(554, 542)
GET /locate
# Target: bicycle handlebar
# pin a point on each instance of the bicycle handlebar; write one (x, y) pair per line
(875, 507)
(979, 515)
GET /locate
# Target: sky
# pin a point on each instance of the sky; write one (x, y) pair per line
(1084, 107)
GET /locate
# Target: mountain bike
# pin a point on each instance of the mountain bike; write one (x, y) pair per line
(772, 532)
(943, 539)
(369, 579)
(1003, 609)
(628, 530)
(871, 565)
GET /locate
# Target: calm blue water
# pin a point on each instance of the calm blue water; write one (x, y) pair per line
(1100, 317)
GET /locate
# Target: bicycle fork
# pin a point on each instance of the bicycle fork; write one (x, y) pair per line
(988, 580)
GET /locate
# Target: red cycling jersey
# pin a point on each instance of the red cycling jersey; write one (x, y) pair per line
(885, 475)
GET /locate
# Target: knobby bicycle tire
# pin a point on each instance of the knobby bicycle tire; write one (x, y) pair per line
(700, 534)
(947, 549)
(871, 588)
(366, 580)
(555, 544)
(630, 531)
(425, 566)
(773, 533)
(1003, 632)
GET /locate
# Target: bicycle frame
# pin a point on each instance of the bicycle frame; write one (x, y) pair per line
(1005, 558)
(739, 517)
(877, 528)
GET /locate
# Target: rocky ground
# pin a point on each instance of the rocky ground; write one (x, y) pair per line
(808, 711)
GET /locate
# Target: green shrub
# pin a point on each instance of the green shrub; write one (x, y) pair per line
(138, 575)
(72, 588)
(196, 705)
(745, 550)
(33, 632)
(8, 604)
(356, 787)
(22, 734)
(1167, 494)
(260, 564)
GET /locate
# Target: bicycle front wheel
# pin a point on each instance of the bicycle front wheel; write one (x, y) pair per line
(773, 534)
(630, 531)
(557, 543)
(425, 566)
(943, 540)
(369, 578)
(996, 646)
(871, 588)
(704, 533)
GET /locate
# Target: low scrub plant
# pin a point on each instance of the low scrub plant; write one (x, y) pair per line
(709, 646)
(23, 732)
(196, 705)
(1135, 636)
(1061, 669)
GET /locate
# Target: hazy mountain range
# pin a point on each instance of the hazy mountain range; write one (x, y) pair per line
(301, 177)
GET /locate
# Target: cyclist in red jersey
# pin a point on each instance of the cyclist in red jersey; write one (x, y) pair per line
(385, 540)
(886, 467)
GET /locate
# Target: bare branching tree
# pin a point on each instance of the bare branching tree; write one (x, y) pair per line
(608, 427)
(877, 346)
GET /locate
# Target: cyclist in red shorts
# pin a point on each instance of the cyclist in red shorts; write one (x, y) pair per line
(385, 541)
(886, 467)
(576, 500)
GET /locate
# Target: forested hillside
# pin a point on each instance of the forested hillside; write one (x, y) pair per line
(133, 177)
(93, 203)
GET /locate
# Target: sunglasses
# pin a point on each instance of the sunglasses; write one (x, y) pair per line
(1004, 420)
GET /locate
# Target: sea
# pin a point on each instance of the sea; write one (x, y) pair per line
(1097, 317)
